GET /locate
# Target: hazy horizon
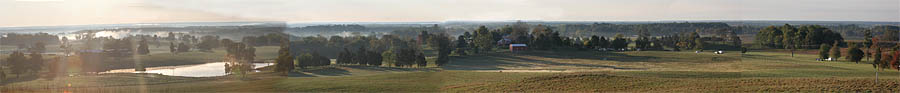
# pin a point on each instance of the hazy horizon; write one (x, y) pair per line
(80, 12)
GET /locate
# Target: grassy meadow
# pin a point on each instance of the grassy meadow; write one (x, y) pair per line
(530, 71)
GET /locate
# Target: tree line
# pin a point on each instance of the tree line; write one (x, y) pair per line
(385, 50)
(24, 40)
(601, 29)
(790, 37)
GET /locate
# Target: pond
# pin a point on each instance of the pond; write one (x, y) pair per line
(201, 70)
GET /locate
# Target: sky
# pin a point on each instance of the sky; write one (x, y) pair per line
(78, 12)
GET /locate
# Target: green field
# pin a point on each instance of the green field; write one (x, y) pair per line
(533, 71)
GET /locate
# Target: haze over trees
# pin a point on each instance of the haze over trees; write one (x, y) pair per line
(17, 39)
(656, 29)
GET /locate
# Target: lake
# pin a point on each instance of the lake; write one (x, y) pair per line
(201, 70)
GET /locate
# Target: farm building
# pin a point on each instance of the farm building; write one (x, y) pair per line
(517, 47)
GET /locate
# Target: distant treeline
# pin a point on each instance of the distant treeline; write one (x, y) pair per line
(229, 32)
(340, 30)
(333, 28)
(656, 29)
(848, 31)
(29, 39)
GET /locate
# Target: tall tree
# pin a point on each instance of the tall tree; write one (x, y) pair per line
(285, 61)
(483, 39)
(420, 60)
(735, 39)
(619, 42)
(443, 43)
(305, 60)
(238, 58)
(835, 51)
(375, 58)
(855, 54)
(594, 43)
(143, 47)
(36, 62)
(868, 43)
(2, 75)
(172, 48)
(389, 58)
(17, 63)
(823, 51)
(699, 44)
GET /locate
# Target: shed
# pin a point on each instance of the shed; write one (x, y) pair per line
(518, 47)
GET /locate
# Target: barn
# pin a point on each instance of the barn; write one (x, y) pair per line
(517, 47)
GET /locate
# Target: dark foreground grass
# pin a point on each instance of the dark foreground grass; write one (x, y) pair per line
(611, 83)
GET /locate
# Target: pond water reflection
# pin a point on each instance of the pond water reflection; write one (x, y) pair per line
(202, 70)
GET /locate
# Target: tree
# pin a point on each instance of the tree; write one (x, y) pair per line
(312, 59)
(890, 35)
(594, 42)
(735, 39)
(345, 57)
(856, 54)
(321, 60)
(285, 61)
(894, 59)
(2, 76)
(143, 47)
(52, 68)
(182, 47)
(170, 36)
(823, 51)
(789, 36)
(65, 46)
(172, 48)
(444, 49)
(835, 51)
(885, 60)
(238, 58)
(389, 57)
(375, 58)
(360, 56)
(699, 44)
(207, 43)
(868, 43)
(461, 45)
(17, 63)
(305, 60)
(692, 40)
(420, 60)
(483, 39)
(743, 50)
(619, 42)
(36, 62)
(877, 58)
(604, 43)
(38, 47)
